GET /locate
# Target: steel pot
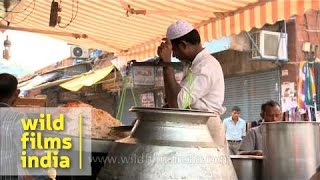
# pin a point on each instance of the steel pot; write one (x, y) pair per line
(291, 150)
(171, 144)
(248, 167)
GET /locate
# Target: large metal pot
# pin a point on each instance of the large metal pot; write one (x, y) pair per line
(248, 167)
(291, 150)
(171, 144)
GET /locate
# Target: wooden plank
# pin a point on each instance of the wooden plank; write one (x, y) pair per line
(30, 102)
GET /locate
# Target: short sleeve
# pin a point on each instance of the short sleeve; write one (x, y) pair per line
(225, 124)
(244, 129)
(248, 142)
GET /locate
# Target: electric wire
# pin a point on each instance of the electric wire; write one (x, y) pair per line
(12, 22)
(72, 17)
(27, 7)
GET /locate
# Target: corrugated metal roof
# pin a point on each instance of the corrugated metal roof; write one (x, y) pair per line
(107, 26)
(62, 73)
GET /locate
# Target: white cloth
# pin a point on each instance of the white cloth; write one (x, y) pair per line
(207, 90)
(10, 144)
(178, 29)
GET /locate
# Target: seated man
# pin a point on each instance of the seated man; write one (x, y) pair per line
(10, 129)
(252, 143)
(11, 132)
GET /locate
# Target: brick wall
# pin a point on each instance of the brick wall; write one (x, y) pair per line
(310, 21)
(236, 62)
(292, 51)
(297, 36)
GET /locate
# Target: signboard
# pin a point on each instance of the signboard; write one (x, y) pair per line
(288, 99)
(143, 75)
(147, 100)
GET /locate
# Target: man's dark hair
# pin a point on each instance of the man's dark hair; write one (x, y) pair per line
(236, 108)
(8, 85)
(193, 37)
(270, 103)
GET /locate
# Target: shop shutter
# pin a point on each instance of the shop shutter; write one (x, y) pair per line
(250, 91)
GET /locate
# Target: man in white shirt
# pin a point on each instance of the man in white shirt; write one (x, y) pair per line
(203, 86)
(235, 128)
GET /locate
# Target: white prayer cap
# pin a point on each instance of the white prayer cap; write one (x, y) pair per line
(179, 29)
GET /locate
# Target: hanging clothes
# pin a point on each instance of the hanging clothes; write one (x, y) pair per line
(317, 83)
(306, 86)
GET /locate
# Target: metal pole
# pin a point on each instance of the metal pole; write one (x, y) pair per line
(315, 110)
(309, 113)
(254, 44)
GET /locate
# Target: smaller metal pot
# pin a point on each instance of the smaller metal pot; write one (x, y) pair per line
(248, 167)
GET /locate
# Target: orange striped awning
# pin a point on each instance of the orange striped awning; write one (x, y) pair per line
(243, 20)
(134, 28)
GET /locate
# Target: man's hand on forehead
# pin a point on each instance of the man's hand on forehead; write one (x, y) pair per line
(166, 43)
(165, 50)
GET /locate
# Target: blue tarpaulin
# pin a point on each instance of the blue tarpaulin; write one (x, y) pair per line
(12, 68)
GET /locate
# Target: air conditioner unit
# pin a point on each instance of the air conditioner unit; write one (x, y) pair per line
(271, 45)
(79, 52)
